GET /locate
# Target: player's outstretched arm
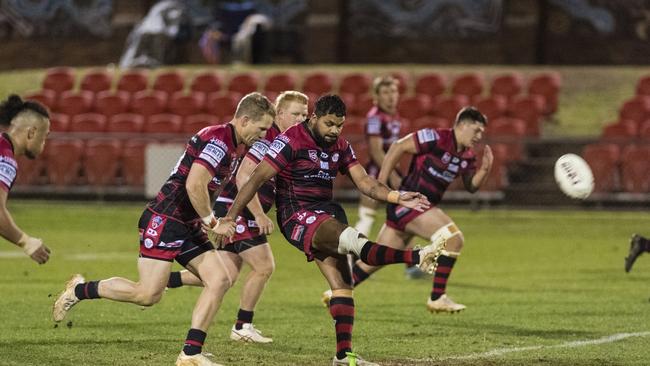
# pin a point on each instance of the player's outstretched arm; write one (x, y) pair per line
(197, 190)
(33, 247)
(264, 223)
(262, 173)
(379, 191)
(404, 145)
(473, 183)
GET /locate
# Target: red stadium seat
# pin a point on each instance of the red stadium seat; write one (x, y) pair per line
(133, 81)
(507, 127)
(449, 107)
(547, 85)
(623, 131)
(354, 126)
(163, 123)
(414, 107)
(195, 123)
(431, 84)
(126, 123)
(110, 104)
(100, 162)
(603, 159)
(59, 122)
(64, 161)
(529, 109)
(186, 104)
(59, 79)
(88, 122)
(429, 122)
(45, 97)
(507, 85)
(132, 162)
(207, 83)
(30, 171)
(169, 82)
(635, 169)
(643, 86)
(361, 105)
(494, 106)
(244, 83)
(403, 79)
(355, 84)
(469, 85)
(148, 103)
(318, 83)
(280, 82)
(72, 103)
(222, 106)
(644, 131)
(636, 109)
(498, 178)
(96, 81)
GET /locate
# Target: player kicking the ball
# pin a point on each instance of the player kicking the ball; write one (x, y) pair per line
(305, 160)
(173, 224)
(440, 155)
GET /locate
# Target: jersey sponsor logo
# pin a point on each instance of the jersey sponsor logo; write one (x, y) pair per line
(313, 155)
(401, 211)
(310, 220)
(394, 127)
(213, 154)
(374, 125)
(463, 164)
(156, 221)
(321, 175)
(283, 138)
(453, 168)
(446, 158)
(323, 155)
(7, 172)
(152, 232)
(301, 216)
(219, 143)
(252, 223)
(297, 232)
(148, 243)
(335, 157)
(324, 165)
(455, 160)
(240, 228)
(446, 176)
(427, 135)
(258, 150)
(174, 244)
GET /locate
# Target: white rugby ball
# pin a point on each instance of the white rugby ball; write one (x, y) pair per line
(574, 177)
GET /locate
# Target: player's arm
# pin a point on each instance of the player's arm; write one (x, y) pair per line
(262, 173)
(244, 173)
(405, 145)
(377, 155)
(472, 183)
(33, 247)
(379, 191)
(197, 190)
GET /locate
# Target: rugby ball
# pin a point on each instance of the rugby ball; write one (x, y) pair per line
(574, 177)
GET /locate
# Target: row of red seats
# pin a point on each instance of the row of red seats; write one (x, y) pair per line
(617, 168)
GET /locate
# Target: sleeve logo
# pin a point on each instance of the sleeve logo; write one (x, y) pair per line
(259, 149)
(275, 148)
(7, 173)
(213, 154)
(374, 125)
(427, 135)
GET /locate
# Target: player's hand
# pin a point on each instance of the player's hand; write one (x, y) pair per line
(34, 248)
(224, 227)
(264, 223)
(488, 159)
(41, 255)
(414, 200)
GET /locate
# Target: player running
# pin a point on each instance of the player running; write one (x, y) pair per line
(27, 124)
(304, 161)
(249, 243)
(440, 155)
(171, 227)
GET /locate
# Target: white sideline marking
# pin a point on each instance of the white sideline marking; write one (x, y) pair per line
(502, 351)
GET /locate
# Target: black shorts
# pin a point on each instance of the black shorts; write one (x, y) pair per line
(247, 234)
(242, 245)
(167, 239)
(300, 226)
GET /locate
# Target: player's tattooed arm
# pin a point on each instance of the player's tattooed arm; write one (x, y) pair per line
(264, 223)
(379, 191)
(262, 173)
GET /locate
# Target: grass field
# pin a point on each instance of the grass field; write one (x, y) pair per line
(533, 281)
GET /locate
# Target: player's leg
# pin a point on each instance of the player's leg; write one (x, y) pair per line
(433, 224)
(211, 267)
(187, 278)
(638, 245)
(412, 272)
(260, 258)
(367, 213)
(146, 292)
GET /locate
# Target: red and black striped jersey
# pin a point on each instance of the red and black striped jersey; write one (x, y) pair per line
(306, 171)
(8, 165)
(215, 148)
(437, 163)
(384, 125)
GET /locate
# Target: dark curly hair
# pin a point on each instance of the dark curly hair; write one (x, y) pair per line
(14, 105)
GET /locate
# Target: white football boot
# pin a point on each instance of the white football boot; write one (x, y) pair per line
(444, 304)
(195, 360)
(326, 297)
(352, 359)
(429, 255)
(67, 298)
(249, 334)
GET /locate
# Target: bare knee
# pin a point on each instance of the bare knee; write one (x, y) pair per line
(148, 297)
(265, 270)
(219, 283)
(456, 243)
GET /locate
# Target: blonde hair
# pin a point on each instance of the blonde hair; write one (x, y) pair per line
(255, 106)
(380, 81)
(290, 96)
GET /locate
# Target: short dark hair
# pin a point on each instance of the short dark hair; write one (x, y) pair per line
(14, 105)
(472, 114)
(255, 106)
(329, 104)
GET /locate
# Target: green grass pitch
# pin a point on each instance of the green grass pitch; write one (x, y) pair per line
(532, 281)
